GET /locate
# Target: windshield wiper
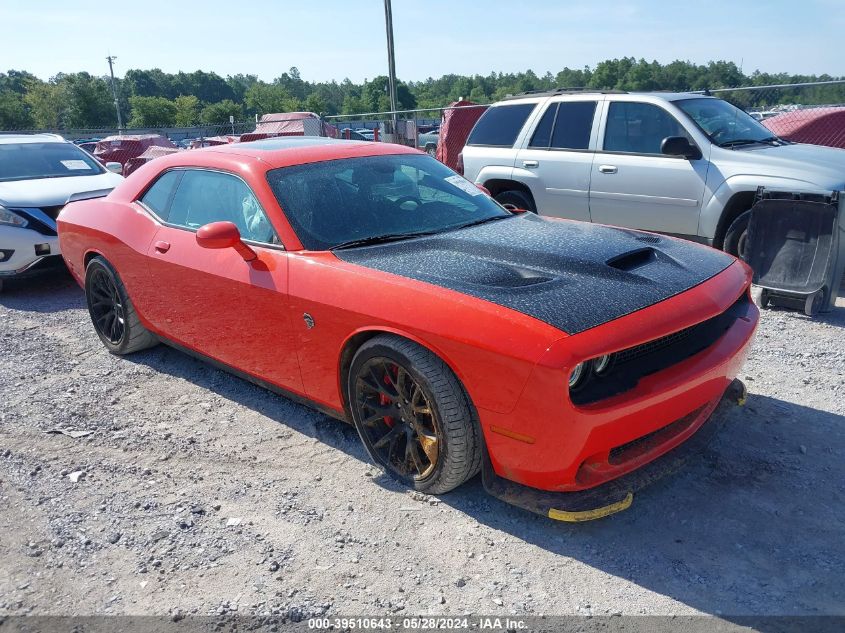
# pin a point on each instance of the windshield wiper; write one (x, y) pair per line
(380, 239)
(481, 221)
(771, 140)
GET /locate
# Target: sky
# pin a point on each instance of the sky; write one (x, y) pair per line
(332, 39)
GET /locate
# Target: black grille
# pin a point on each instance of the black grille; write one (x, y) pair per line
(632, 353)
(632, 364)
(36, 224)
(54, 211)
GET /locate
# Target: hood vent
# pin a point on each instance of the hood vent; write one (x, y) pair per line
(632, 259)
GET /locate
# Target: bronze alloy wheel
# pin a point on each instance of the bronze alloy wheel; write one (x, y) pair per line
(399, 423)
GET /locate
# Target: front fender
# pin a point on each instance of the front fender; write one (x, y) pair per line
(711, 213)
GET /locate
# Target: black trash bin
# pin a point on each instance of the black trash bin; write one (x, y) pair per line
(795, 247)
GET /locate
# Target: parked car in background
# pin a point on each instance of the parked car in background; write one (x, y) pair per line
(121, 148)
(352, 135)
(211, 141)
(290, 124)
(152, 152)
(428, 141)
(455, 335)
(38, 173)
(681, 164)
(88, 144)
(819, 126)
(366, 133)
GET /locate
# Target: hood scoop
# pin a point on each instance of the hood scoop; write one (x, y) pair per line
(480, 271)
(571, 275)
(632, 259)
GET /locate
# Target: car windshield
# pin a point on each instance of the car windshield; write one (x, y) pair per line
(31, 161)
(725, 124)
(355, 201)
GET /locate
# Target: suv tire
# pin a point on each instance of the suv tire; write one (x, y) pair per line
(517, 198)
(737, 236)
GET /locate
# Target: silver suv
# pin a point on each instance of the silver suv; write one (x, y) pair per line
(683, 164)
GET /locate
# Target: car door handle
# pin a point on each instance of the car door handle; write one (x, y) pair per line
(530, 163)
(608, 169)
(162, 247)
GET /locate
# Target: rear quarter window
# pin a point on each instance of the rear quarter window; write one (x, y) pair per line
(500, 125)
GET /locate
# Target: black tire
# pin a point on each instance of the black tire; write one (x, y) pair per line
(451, 420)
(737, 236)
(814, 302)
(112, 313)
(519, 199)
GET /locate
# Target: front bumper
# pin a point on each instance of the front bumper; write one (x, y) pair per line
(29, 251)
(618, 494)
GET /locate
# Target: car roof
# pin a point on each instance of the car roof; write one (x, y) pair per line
(566, 92)
(6, 139)
(287, 151)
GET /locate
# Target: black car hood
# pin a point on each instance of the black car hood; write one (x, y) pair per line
(572, 275)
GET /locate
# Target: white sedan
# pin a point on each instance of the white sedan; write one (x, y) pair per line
(38, 173)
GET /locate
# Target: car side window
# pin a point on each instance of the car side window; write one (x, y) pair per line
(638, 128)
(157, 198)
(204, 196)
(573, 125)
(500, 125)
(543, 133)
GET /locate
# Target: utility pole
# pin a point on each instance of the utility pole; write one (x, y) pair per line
(110, 60)
(391, 63)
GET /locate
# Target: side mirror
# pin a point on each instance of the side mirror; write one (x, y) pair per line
(484, 189)
(513, 208)
(115, 168)
(224, 235)
(679, 146)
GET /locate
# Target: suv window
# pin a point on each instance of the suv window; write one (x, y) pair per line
(565, 126)
(157, 198)
(204, 196)
(573, 125)
(500, 125)
(543, 133)
(639, 128)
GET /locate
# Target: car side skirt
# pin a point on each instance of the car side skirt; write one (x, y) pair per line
(290, 395)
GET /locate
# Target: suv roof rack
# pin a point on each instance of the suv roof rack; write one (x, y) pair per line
(561, 91)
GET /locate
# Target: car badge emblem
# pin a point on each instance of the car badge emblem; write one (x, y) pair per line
(309, 320)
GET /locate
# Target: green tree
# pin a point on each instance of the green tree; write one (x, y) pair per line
(219, 113)
(187, 110)
(152, 112)
(14, 114)
(315, 103)
(45, 104)
(262, 98)
(88, 101)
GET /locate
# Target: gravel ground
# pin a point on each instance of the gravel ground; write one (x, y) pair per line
(198, 493)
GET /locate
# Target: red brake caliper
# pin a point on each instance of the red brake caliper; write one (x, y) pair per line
(384, 400)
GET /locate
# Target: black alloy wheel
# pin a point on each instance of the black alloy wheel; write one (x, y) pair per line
(106, 306)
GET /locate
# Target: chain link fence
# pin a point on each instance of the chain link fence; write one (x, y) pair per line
(441, 132)
(805, 113)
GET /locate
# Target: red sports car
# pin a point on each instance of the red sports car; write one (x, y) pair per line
(569, 362)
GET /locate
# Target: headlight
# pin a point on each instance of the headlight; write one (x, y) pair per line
(577, 376)
(602, 364)
(12, 219)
